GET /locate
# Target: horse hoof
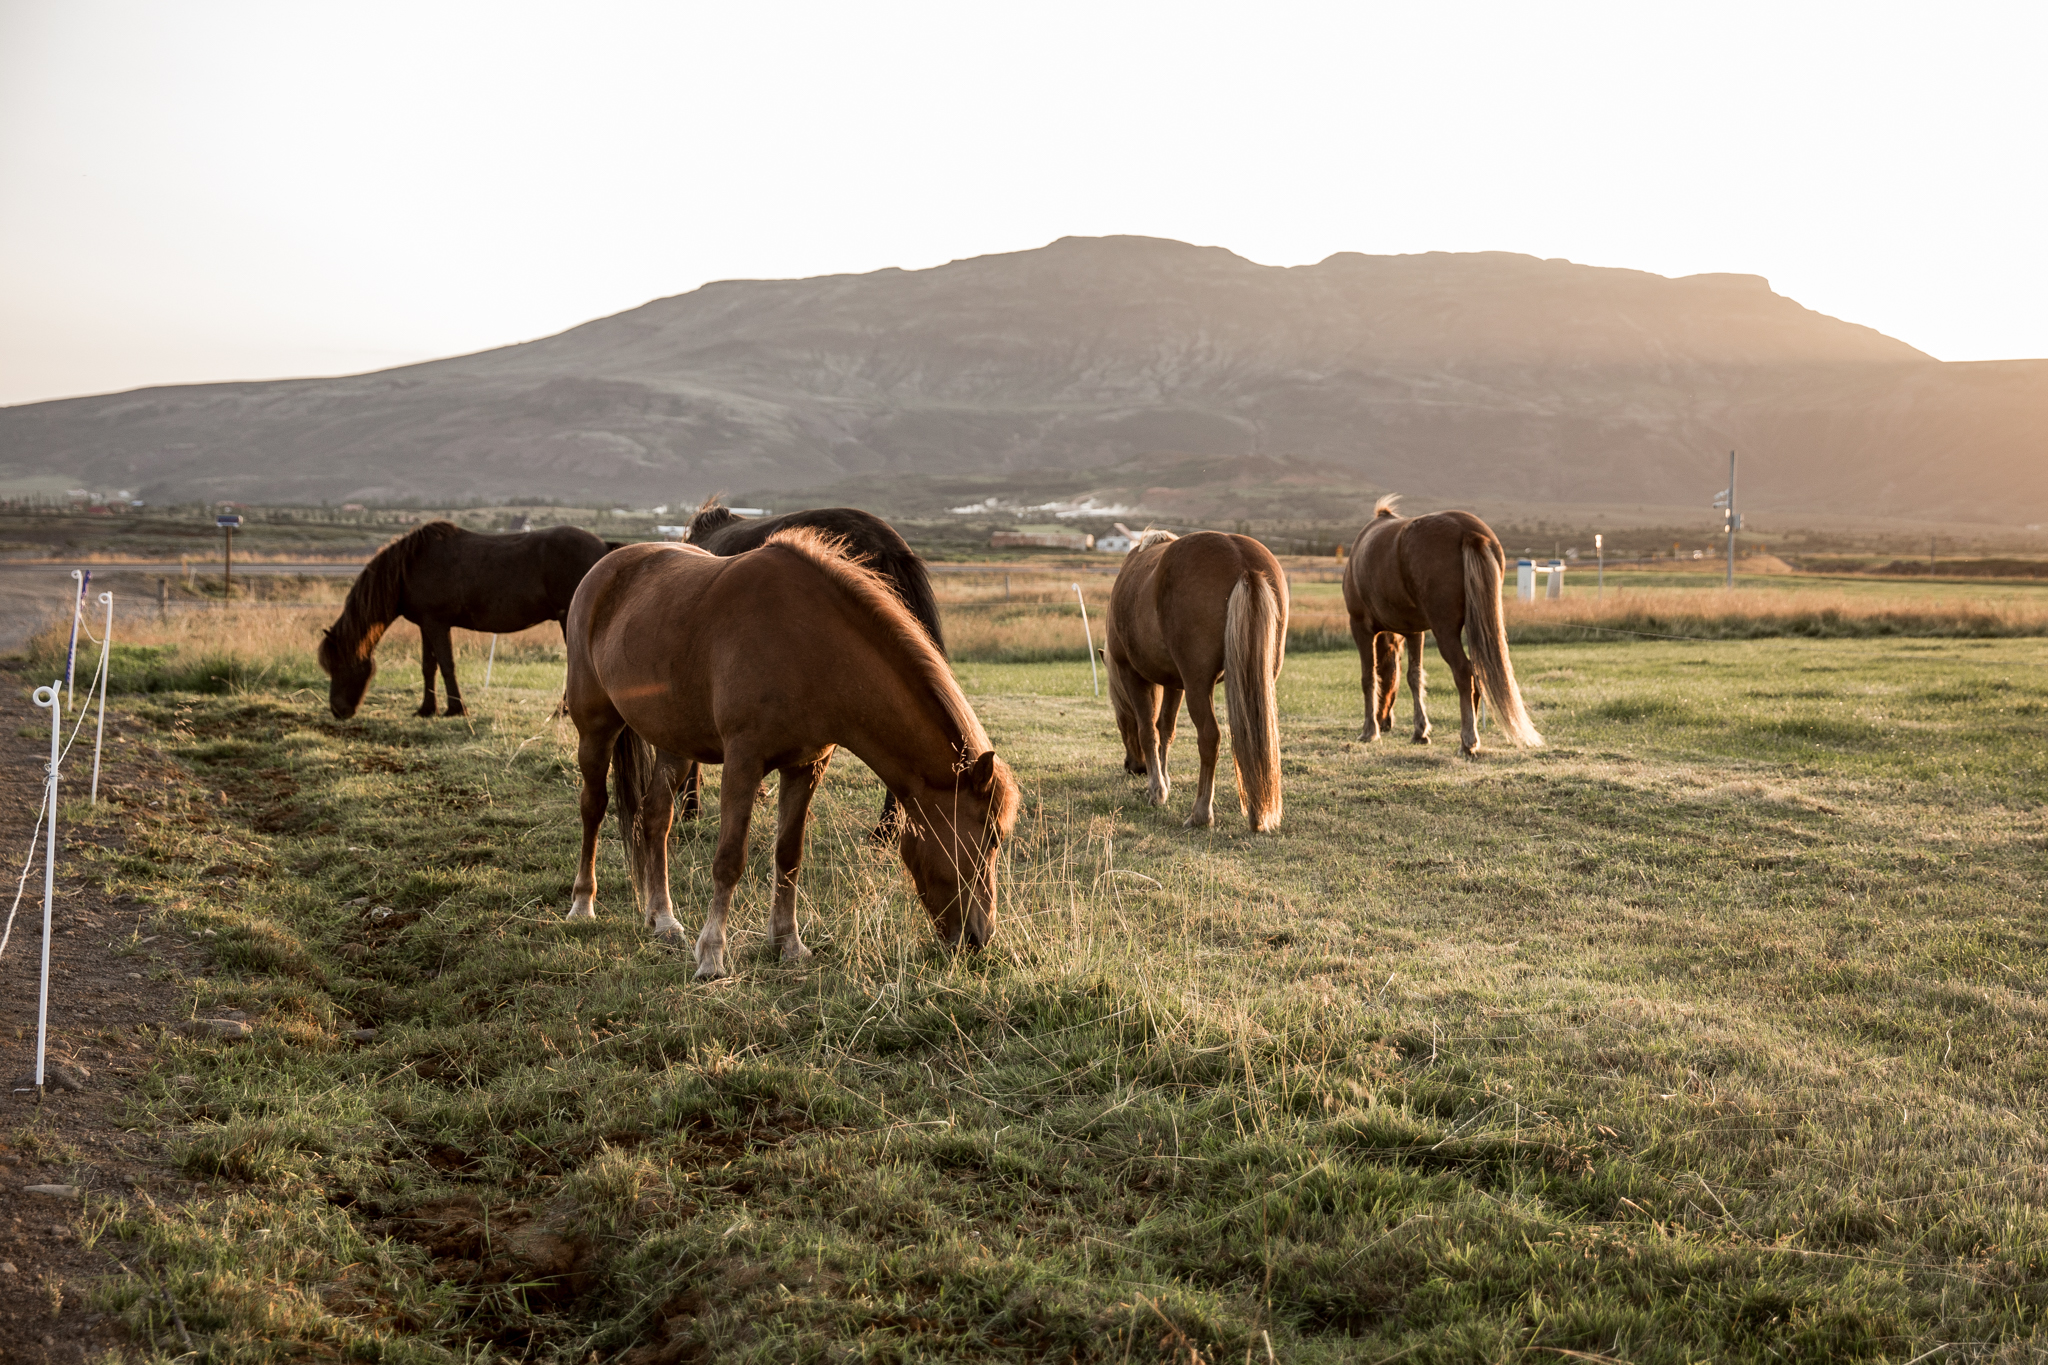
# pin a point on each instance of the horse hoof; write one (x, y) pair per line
(710, 971)
(425, 711)
(1199, 820)
(1422, 739)
(795, 952)
(1135, 769)
(1367, 736)
(456, 708)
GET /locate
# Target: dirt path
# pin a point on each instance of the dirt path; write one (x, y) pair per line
(110, 1000)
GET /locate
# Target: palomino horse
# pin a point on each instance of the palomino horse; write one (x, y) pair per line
(1185, 612)
(441, 576)
(863, 535)
(769, 661)
(1439, 573)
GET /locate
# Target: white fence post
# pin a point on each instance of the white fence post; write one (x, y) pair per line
(1525, 579)
(81, 577)
(1094, 680)
(106, 676)
(1554, 589)
(51, 698)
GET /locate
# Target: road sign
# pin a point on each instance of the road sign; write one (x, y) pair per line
(228, 523)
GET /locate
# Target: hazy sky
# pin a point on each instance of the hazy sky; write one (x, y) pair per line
(193, 189)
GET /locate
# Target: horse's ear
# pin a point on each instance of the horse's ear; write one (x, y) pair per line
(981, 774)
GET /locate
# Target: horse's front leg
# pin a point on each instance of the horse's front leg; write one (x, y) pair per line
(1365, 635)
(735, 809)
(1415, 687)
(1389, 663)
(1144, 699)
(427, 665)
(792, 813)
(594, 758)
(1209, 739)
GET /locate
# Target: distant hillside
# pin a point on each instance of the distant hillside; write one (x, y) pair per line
(1445, 376)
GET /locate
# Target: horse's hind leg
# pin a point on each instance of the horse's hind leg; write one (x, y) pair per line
(1202, 707)
(445, 647)
(735, 809)
(1467, 682)
(594, 758)
(793, 812)
(657, 812)
(1415, 687)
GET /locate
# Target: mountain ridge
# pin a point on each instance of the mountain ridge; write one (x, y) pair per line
(1442, 373)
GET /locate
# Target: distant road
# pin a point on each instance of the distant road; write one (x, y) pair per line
(171, 568)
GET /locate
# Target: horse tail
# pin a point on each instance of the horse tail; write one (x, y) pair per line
(1251, 661)
(635, 769)
(1486, 636)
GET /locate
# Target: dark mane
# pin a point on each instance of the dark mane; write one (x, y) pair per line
(711, 515)
(868, 539)
(378, 595)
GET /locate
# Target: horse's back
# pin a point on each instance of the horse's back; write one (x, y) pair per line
(1168, 617)
(1405, 570)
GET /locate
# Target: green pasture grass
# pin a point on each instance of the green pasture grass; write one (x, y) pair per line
(1710, 1031)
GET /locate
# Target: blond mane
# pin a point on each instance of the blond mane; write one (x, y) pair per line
(1387, 505)
(1149, 537)
(876, 594)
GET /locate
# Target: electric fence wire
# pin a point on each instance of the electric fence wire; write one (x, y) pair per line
(43, 810)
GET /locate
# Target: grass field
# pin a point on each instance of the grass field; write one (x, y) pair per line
(1709, 1032)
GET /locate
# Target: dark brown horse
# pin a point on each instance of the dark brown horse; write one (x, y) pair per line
(863, 535)
(441, 576)
(1186, 612)
(768, 662)
(1439, 573)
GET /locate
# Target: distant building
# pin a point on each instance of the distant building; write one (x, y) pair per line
(1042, 538)
(1114, 545)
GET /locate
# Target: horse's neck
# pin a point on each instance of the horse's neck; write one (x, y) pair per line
(906, 743)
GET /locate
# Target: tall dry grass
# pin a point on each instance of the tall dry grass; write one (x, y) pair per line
(253, 645)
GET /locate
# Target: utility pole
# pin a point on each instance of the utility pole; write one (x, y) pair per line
(1729, 516)
(228, 526)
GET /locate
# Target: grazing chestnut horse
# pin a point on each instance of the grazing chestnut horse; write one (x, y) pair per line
(1185, 612)
(863, 535)
(1439, 573)
(441, 576)
(764, 662)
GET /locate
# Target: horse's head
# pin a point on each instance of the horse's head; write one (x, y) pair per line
(951, 839)
(349, 668)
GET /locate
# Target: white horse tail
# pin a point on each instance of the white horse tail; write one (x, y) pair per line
(1486, 636)
(1254, 644)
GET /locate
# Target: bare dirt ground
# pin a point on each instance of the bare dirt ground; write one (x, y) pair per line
(110, 1002)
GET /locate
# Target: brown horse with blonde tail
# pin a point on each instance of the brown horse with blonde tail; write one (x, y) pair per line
(768, 662)
(1440, 573)
(1185, 613)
